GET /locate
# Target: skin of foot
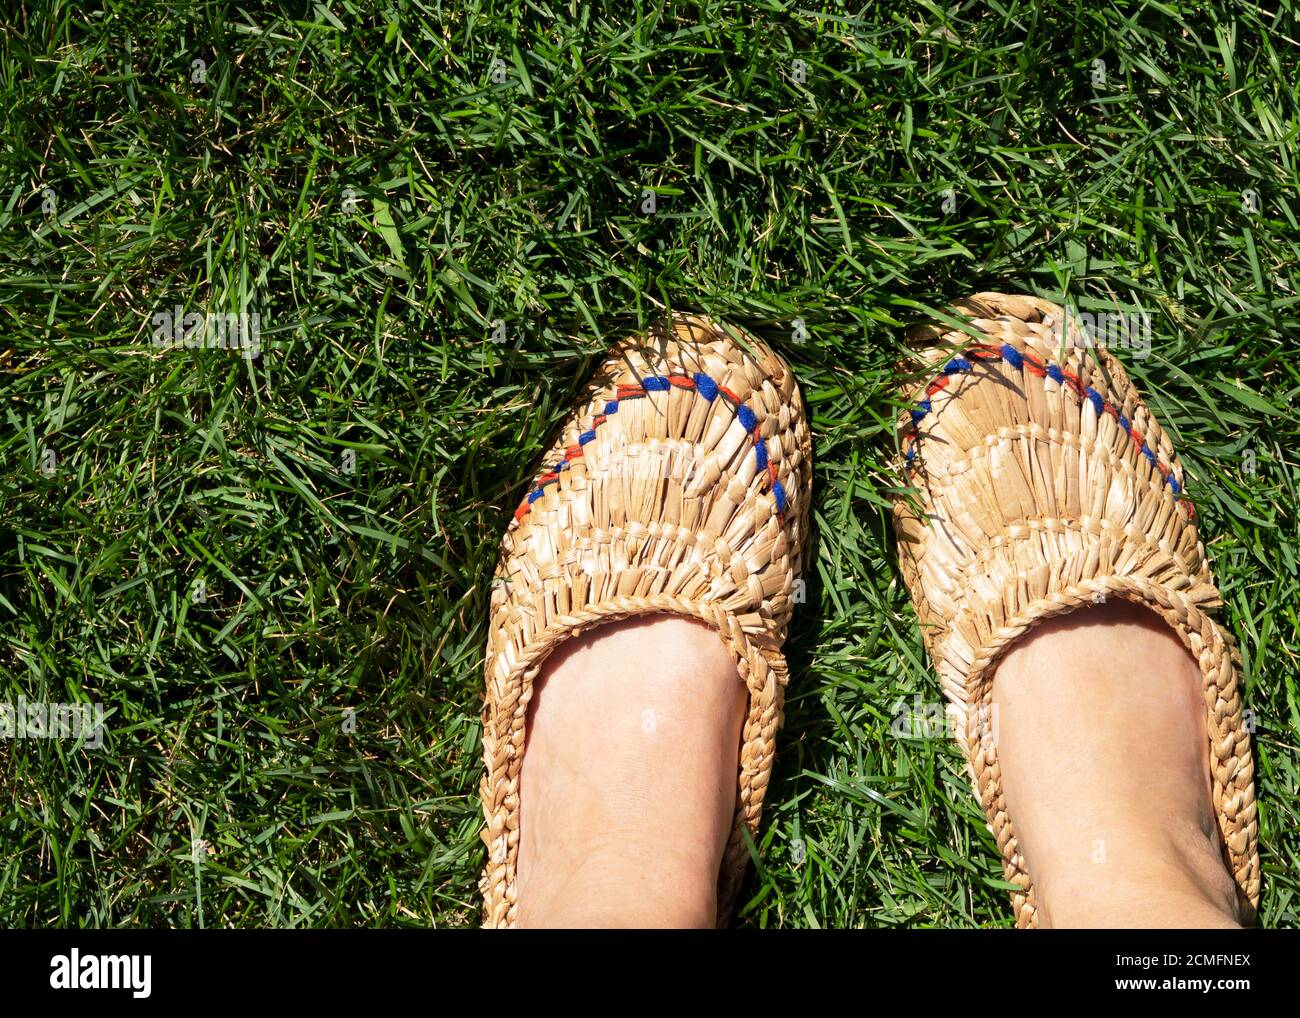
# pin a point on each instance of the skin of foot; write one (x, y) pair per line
(628, 781)
(1101, 735)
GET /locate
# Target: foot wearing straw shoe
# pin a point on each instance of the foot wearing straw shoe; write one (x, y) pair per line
(634, 670)
(1064, 596)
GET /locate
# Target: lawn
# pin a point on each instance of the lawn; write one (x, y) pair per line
(271, 564)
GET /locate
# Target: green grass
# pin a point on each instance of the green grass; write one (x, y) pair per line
(353, 173)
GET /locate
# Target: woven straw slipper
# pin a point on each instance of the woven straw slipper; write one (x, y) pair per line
(679, 484)
(1044, 483)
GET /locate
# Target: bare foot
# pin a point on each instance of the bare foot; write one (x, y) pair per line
(1101, 731)
(628, 782)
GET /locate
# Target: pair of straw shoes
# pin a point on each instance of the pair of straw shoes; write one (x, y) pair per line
(1035, 480)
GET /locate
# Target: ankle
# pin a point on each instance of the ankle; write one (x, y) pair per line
(1153, 878)
(614, 886)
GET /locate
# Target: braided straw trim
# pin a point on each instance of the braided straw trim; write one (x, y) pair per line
(1044, 483)
(678, 485)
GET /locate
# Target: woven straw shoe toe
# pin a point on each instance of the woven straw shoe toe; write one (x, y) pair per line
(1043, 483)
(679, 485)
